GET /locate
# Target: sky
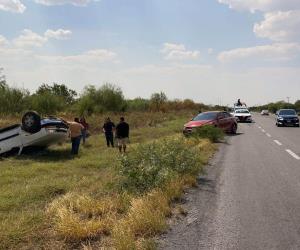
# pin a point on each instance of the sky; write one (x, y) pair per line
(211, 51)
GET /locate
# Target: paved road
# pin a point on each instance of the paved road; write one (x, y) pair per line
(250, 197)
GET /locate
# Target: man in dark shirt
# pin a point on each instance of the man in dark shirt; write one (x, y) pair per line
(108, 129)
(122, 134)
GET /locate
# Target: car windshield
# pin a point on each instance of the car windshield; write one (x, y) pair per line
(205, 116)
(287, 112)
(242, 111)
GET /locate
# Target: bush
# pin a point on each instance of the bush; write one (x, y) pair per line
(47, 103)
(152, 164)
(214, 134)
(12, 100)
(107, 98)
(138, 104)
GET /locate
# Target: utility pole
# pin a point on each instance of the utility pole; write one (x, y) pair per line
(288, 99)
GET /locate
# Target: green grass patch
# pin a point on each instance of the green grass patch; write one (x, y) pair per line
(214, 134)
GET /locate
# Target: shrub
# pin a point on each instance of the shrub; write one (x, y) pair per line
(12, 100)
(138, 104)
(107, 98)
(152, 164)
(214, 134)
(47, 103)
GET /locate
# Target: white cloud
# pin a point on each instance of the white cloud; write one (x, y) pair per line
(177, 52)
(262, 5)
(210, 51)
(59, 34)
(12, 6)
(29, 39)
(91, 57)
(279, 26)
(3, 41)
(277, 51)
(22, 49)
(62, 2)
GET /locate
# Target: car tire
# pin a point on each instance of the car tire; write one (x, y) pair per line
(233, 129)
(31, 122)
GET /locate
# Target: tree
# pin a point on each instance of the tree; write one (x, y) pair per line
(297, 105)
(12, 100)
(108, 97)
(60, 90)
(46, 103)
(137, 104)
(2, 79)
(158, 101)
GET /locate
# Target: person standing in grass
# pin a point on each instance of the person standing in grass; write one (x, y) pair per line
(108, 129)
(122, 134)
(84, 131)
(75, 129)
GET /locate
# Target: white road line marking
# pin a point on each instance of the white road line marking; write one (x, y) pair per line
(268, 135)
(259, 127)
(263, 130)
(278, 142)
(293, 154)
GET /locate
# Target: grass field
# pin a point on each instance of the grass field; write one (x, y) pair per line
(37, 193)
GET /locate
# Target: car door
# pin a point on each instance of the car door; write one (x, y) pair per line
(227, 121)
(221, 121)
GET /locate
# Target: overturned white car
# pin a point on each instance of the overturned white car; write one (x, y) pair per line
(33, 132)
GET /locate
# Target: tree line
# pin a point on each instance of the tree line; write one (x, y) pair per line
(50, 99)
(274, 106)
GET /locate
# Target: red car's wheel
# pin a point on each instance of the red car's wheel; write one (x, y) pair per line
(234, 129)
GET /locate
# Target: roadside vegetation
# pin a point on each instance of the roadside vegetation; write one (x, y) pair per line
(214, 134)
(274, 106)
(57, 98)
(101, 198)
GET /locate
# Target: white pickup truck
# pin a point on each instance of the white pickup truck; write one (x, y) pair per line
(241, 113)
(33, 132)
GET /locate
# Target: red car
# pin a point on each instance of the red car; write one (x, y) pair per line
(221, 119)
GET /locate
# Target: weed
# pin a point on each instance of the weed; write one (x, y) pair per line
(214, 134)
(151, 164)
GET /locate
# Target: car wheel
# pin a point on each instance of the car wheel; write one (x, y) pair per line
(233, 129)
(31, 122)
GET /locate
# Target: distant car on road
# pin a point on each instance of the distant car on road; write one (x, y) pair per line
(287, 117)
(33, 132)
(264, 112)
(242, 115)
(221, 119)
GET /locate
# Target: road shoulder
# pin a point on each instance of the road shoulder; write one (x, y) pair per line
(187, 232)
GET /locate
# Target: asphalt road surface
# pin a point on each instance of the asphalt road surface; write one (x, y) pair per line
(250, 196)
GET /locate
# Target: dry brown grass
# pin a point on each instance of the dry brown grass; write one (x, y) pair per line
(77, 217)
(146, 217)
(130, 222)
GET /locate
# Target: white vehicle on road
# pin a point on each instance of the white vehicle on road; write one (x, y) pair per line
(241, 113)
(33, 132)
